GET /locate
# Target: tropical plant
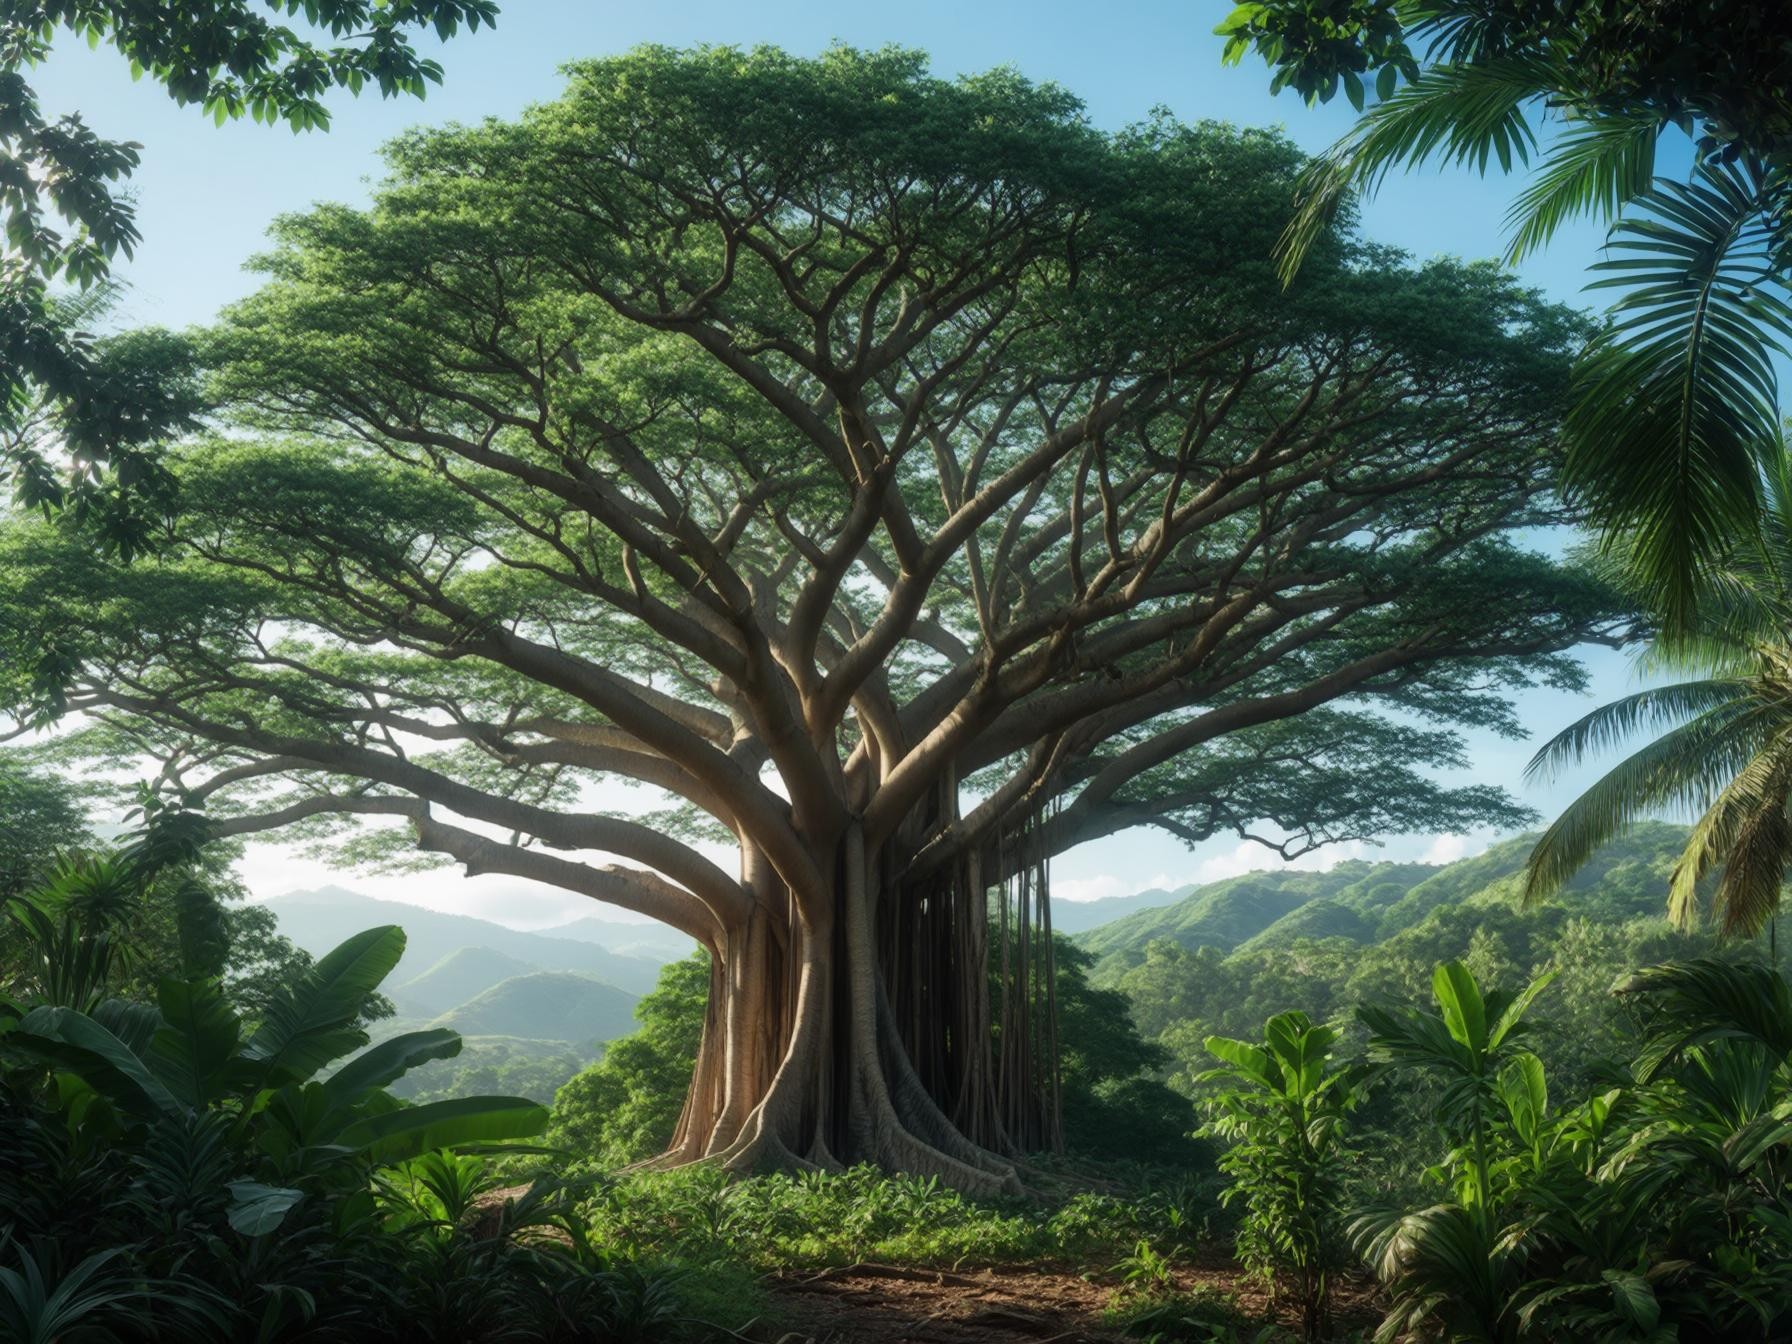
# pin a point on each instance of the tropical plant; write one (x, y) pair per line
(1282, 1108)
(1460, 1260)
(1711, 1146)
(1677, 403)
(191, 1057)
(94, 1299)
(1724, 748)
(1655, 1209)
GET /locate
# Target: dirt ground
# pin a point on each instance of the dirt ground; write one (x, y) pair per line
(895, 1304)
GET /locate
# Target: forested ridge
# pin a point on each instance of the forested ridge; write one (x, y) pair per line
(1365, 901)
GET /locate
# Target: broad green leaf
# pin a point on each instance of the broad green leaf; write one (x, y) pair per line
(1513, 1013)
(311, 1023)
(411, 1130)
(1459, 999)
(1249, 1059)
(1635, 1299)
(1240, 17)
(1525, 1094)
(257, 1209)
(133, 1023)
(196, 1045)
(74, 1041)
(389, 1060)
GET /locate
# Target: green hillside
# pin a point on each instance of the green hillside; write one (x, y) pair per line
(1221, 914)
(318, 920)
(546, 1006)
(456, 978)
(1327, 917)
(1373, 902)
(1326, 943)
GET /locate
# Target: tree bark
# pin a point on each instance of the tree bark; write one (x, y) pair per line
(863, 1031)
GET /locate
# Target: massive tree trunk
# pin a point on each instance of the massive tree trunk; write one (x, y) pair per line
(860, 1028)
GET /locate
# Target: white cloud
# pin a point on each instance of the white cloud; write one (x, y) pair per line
(1106, 885)
(1247, 856)
(1446, 848)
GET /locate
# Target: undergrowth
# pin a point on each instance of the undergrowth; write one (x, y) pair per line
(701, 1216)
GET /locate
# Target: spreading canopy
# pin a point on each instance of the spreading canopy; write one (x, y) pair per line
(900, 478)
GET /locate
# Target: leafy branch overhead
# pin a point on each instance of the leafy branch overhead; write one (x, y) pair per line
(1677, 407)
(64, 214)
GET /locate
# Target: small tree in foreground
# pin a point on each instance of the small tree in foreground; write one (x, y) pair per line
(899, 479)
(1282, 1106)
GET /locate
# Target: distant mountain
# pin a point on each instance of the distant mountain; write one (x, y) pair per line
(318, 920)
(546, 1006)
(1226, 913)
(456, 978)
(1371, 902)
(1081, 916)
(656, 942)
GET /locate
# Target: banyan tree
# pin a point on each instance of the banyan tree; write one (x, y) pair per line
(795, 500)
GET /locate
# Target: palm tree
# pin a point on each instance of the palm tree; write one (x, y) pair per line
(1675, 411)
(1722, 744)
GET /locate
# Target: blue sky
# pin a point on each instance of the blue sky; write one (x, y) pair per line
(205, 196)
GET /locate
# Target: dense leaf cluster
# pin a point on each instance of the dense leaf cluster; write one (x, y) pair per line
(1658, 1206)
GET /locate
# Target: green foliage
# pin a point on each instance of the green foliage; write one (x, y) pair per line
(1612, 1218)
(1592, 934)
(193, 1057)
(1170, 1317)
(135, 914)
(1281, 1106)
(1676, 411)
(1115, 1105)
(39, 812)
(70, 403)
(697, 1215)
(94, 1299)
(624, 1108)
(227, 1179)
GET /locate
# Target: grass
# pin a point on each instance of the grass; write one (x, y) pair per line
(698, 1215)
(1166, 1316)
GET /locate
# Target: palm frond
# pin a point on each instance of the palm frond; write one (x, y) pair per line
(1611, 726)
(1706, 1000)
(1745, 832)
(1686, 767)
(1675, 412)
(1748, 894)
(1592, 169)
(1468, 113)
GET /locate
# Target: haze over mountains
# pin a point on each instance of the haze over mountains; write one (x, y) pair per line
(1080, 916)
(563, 990)
(319, 920)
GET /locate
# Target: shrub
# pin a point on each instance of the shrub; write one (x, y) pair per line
(1282, 1108)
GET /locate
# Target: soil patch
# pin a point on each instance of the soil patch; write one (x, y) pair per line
(900, 1304)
